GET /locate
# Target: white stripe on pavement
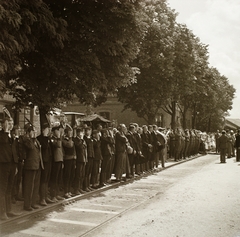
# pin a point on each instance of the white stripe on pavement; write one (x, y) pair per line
(95, 211)
(33, 232)
(104, 205)
(73, 222)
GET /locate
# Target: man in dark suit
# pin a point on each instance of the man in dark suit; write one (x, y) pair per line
(8, 158)
(223, 146)
(81, 160)
(46, 150)
(237, 146)
(133, 143)
(32, 168)
(90, 156)
(121, 152)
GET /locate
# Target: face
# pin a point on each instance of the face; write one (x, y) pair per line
(70, 133)
(5, 126)
(10, 123)
(145, 129)
(80, 134)
(88, 132)
(32, 133)
(56, 133)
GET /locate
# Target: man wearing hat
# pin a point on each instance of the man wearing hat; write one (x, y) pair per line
(44, 141)
(237, 146)
(7, 169)
(32, 168)
(223, 146)
(57, 164)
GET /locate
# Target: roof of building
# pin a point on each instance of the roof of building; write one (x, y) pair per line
(232, 122)
(94, 117)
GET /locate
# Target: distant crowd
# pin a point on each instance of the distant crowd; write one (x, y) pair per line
(62, 162)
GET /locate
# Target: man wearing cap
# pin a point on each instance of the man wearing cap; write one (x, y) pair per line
(7, 170)
(57, 164)
(81, 159)
(44, 141)
(90, 156)
(69, 160)
(223, 146)
(32, 168)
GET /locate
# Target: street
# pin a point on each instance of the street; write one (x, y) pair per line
(200, 197)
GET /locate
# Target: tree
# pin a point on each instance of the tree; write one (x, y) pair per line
(25, 25)
(102, 39)
(155, 61)
(216, 100)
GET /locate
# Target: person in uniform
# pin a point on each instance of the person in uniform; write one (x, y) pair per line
(81, 153)
(7, 169)
(237, 146)
(57, 164)
(32, 168)
(121, 152)
(69, 161)
(106, 150)
(97, 159)
(90, 156)
(46, 151)
(223, 146)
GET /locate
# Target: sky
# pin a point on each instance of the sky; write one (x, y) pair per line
(217, 24)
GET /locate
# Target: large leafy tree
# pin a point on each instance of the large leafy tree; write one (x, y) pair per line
(102, 38)
(155, 60)
(215, 101)
(73, 49)
(26, 26)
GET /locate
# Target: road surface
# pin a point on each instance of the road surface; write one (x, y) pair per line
(198, 198)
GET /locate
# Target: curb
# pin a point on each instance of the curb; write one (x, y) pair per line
(59, 204)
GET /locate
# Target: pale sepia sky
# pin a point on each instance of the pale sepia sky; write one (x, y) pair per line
(217, 24)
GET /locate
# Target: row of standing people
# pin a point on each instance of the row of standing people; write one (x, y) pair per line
(56, 165)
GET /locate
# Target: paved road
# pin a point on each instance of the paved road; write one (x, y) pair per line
(196, 198)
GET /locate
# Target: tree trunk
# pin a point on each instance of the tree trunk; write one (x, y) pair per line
(43, 118)
(184, 115)
(173, 118)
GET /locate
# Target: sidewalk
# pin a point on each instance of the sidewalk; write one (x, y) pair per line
(18, 207)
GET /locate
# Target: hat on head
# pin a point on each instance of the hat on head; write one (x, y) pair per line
(79, 130)
(28, 127)
(45, 125)
(55, 128)
(5, 119)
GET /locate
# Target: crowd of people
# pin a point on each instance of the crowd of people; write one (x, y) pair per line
(62, 162)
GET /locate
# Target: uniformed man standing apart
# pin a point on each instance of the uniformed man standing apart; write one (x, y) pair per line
(237, 146)
(223, 146)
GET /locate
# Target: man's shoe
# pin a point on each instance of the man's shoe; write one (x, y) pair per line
(60, 198)
(43, 203)
(4, 217)
(54, 199)
(28, 208)
(35, 207)
(66, 195)
(13, 214)
(49, 201)
(81, 191)
(76, 192)
(19, 199)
